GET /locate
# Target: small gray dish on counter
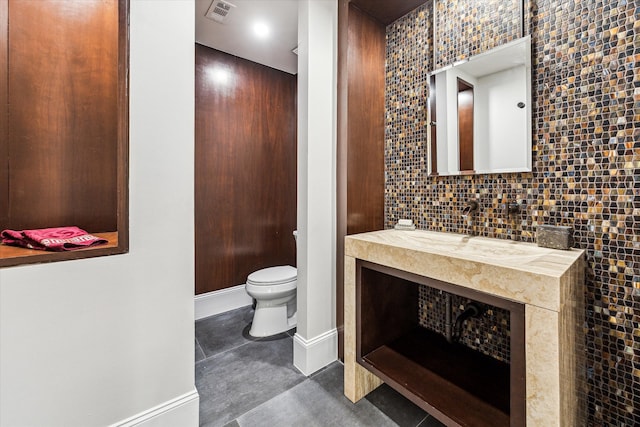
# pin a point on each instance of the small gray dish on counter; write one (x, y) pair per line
(554, 236)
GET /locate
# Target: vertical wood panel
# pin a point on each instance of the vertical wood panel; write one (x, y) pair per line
(360, 184)
(245, 169)
(365, 159)
(341, 164)
(63, 118)
(465, 125)
(4, 132)
(122, 149)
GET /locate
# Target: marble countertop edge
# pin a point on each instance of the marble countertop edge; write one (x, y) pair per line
(506, 254)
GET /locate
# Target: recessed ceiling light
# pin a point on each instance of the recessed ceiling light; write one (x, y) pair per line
(261, 29)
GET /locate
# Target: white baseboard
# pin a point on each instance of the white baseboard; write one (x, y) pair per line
(311, 355)
(217, 302)
(181, 411)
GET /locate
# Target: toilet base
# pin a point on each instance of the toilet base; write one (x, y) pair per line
(270, 319)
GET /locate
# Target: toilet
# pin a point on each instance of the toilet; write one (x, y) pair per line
(274, 290)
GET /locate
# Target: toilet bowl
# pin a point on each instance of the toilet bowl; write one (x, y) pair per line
(274, 290)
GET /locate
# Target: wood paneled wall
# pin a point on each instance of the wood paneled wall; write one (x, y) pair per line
(62, 100)
(361, 69)
(4, 111)
(245, 167)
(365, 150)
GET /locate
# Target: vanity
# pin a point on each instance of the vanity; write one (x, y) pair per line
(541, 288)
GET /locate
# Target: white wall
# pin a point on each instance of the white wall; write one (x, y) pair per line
(94, 342)
(315, 343)
(503, 125)
(442, 125)
(448, 147)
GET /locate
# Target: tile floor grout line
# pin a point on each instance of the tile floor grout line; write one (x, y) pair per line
(423, 420)
(227, 350)
(222, 352)
(201, 349)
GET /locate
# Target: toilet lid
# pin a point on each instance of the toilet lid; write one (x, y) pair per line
(273, 275)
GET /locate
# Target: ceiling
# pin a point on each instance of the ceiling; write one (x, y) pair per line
(236, 34)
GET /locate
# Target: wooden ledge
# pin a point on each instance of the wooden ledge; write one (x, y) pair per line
(12, 255)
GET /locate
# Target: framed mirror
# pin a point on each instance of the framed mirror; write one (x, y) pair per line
(479, 113)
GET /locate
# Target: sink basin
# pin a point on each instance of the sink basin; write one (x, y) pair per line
(519, 271)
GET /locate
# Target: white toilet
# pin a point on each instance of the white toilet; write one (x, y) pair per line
(274, 290)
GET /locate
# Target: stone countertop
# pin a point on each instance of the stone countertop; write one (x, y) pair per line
(522, 272)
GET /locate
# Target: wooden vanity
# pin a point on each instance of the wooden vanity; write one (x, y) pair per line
(541, 288)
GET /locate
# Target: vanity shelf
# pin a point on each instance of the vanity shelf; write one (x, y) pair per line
(452, 380)
(456, 384)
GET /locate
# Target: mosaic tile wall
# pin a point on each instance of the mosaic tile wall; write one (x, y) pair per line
(488, 334)
(586, 163)
(479, 26)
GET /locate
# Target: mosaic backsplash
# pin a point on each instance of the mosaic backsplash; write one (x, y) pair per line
(586, 163)
(478, 26)
(489, 333)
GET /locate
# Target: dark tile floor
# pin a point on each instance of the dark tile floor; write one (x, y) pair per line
(249, 382)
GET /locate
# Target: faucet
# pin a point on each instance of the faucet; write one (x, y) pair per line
(470, 208)
(510, 210)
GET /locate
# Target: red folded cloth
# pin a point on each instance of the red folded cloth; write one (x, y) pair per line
(51, 239)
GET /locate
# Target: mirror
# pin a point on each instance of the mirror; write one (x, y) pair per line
(479, 113)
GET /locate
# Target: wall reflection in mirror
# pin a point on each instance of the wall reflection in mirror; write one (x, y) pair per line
(480, 113)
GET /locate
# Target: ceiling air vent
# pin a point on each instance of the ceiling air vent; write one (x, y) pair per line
(219, 10)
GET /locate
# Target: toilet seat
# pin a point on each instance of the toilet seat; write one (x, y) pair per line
(271, 276)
